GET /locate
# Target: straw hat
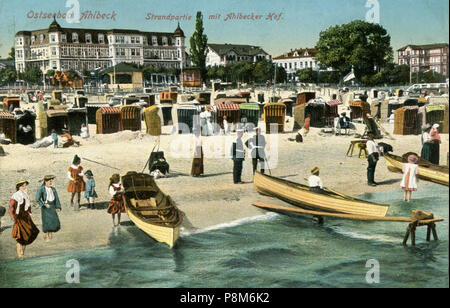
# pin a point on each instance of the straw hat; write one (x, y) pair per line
(412, 158)
(435, 126)
(21, 182)
(48, 178)
(315, 170)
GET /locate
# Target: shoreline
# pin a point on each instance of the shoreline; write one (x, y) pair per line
(208, 201)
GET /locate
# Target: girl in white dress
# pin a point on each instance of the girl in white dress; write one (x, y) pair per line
(409, 180)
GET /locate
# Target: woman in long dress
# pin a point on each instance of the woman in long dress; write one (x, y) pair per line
(76, 183)
(117, 204)
(409, 180)
(47, 198)
(426, 143)
(24, 229)
(435, 146)
(197, 162)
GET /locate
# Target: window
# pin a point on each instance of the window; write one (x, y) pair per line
(41, 38)
(53, 51)
(164, 41)
(53, 38)
(63, 38)
(133, 51)
(54, 65)
(120, 39)
(75, 37)
(133, 40)
(138, 40)
(101, 38)
(33, 39)
(154, 40)
(88, 38)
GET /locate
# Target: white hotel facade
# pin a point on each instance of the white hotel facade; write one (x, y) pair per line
(297, 60)
(63, 49)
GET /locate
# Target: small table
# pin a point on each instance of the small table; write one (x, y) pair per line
(361, 144)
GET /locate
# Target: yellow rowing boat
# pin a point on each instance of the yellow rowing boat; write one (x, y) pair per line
(150, 209)
(328, 201)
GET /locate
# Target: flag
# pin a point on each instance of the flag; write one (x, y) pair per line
(349, 76)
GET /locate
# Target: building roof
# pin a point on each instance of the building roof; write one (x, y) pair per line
(81, 32)
(241, 50)
(299, 53)
(428, 46)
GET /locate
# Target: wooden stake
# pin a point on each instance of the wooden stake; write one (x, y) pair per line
(408, 230)
(433, 228)
(428, 232)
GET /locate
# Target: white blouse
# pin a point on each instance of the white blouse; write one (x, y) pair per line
(112, 192)
(315, 181)
(50, 195)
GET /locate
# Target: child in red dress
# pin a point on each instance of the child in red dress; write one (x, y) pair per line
(76, 183)
(117, 204)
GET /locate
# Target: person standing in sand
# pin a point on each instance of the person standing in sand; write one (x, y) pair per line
(238, 156)
(409, 180)
(76, 183)
(436, 141)
(47, 198)
(427, 143)
(306, 126)
(373, 157)
(257, 145)
(197, 162)
(90, 194)
(24, 229)
(117, 204)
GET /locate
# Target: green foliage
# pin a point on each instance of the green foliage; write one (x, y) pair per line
(12, 54)
(199, 48)
(33, 75)
(307, 75)
(8, 75)
(359, 44)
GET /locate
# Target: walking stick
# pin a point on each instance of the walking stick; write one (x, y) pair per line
(265, 159)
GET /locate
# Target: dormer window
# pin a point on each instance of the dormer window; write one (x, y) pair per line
(53, 38)
(33, 39)
(306, 53)
(88, 38)
(75, 37)
(295, 54)
(41, 38)
(154, 40)
(63, 38)
(101, 38)
(164, 41)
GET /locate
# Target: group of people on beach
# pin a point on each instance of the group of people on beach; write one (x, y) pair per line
(24, 230)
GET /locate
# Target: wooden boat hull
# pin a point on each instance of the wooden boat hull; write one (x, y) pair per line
(163, 234)
(150, 209)
(299, 195)
(432, 173)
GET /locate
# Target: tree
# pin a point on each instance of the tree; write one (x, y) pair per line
(307, 75)
(8, 75)
(33, 75)
(199, 48)
(12, 54)
(263, 71)
(281, 75)
(363, 45)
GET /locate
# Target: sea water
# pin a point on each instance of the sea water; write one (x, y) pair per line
(270, 250)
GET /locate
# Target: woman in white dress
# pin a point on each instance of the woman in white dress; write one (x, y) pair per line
(409, 180)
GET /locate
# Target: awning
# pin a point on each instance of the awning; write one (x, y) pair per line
(286, 100)
(109, 110)
(334, 103)
(6, 115)
(250, 106)
(228, 107)
(429, 108)
(316, 101)
(99, 105)
(56, 113)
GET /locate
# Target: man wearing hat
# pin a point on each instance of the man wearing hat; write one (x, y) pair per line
(314, 182)
(344, 123)
(238, 156)
(47, 198)
(257, 144)
(373, 157)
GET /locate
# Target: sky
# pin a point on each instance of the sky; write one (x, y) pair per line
(294, 23)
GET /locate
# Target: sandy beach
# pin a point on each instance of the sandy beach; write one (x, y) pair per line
(206, 201)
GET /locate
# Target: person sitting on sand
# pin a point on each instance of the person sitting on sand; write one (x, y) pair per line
(69, 141)
(344, 123)
(314, 182)
(409, 180)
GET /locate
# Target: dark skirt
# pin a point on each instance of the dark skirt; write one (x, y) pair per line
(50, 220)
(117, 204)
(435, 148)
(426, 152)
(197, 165)
(24, 229)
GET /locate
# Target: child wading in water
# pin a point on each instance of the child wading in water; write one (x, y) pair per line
(117, 204)
(90, 194)
(409, 180)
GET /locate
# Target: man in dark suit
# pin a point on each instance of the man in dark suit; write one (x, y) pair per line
(257, 144)
(238, 156)
(344, 123)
